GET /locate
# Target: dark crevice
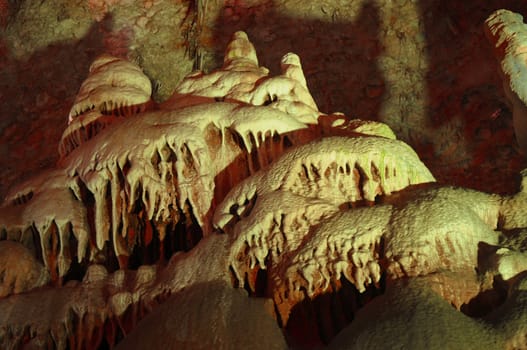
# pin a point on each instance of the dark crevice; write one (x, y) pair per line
(315, 172)
(146, 248)
(88, 200)
(270, 99)
(238, 139)
(315, 322)
(260, 285)
(76, 272)
(38, 247)
(252, 155)
(23, 198)
(361, 180)
(248, 205)
(234, 279)
(27, 240)
(192, 231)
(304, 175)
(287, 142)
(487, 301)
(155, 160)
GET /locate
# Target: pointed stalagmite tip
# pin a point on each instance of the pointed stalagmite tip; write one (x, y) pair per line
(292, 68)
(240, 51)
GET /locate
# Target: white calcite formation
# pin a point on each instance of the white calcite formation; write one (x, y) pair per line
(45, 204)
(122, 182)
(353, 253)
(170, 174)
(321, 232)
(114, 88)
(259, 189)
(507, 33)
(82, 129)
(241, 79)
(447, 244)
(312, 182)
(105, 306)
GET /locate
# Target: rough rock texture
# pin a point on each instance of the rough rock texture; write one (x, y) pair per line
(409, 316)
(508, 321)
(235, 316)
(47, 206)
(113, 86)
(104, 307)
(315, 238)
(312, 182)
(508, 34)
(19, 270)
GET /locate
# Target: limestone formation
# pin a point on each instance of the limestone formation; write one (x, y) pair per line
(235, 316)
(241, 79)
(153, 216)
(507, 34)
(19, 270)
(46, 205)
(186, 159)
(114, 88)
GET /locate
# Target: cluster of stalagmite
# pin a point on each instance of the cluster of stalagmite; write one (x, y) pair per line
(242, 79)
(126, 182)
(260, 189)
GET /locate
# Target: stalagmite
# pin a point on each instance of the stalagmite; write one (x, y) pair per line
(113, 89)
(131, 181)
(114, 86)
(234, 81)
(507, 33)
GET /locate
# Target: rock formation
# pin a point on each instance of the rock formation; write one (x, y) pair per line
(161, 214)
(507, 33)
(113, 88)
